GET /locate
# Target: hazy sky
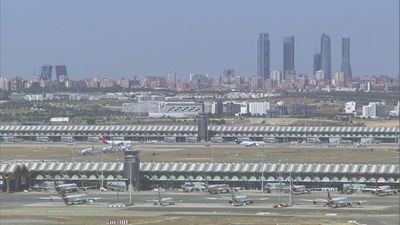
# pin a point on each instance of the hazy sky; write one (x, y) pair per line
(124, 38)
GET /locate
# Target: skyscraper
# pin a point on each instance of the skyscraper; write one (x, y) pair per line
(326, 56)
(288, 57)
(317, 62)
(61, 70)
(263, 56)
(46, 72)
(346, 67)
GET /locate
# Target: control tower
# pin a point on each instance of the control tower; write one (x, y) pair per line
(132, 169)
(202, 127)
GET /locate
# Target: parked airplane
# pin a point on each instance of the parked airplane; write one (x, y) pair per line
(67, 188)
(88, 151)
(298, 189)
(380, 190)
(336, 202)
(114, 143)
(238, 200)
(252, 143)
(194, 186)
(221, 188)
(71, 199)
(162, 201)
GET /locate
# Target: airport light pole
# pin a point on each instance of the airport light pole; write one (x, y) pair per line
(102, 168)
(279, 178)
(212, 153)
(290, 188)
(130, 183)
(262, 170)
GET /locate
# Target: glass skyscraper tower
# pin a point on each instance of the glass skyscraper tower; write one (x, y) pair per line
(346, 67)
(317, 62)
(61, 70)
(326, 56)
(46, 72)
(263, 56)
(288, 57)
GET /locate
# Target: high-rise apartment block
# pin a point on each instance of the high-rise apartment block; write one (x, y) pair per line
(374, 110)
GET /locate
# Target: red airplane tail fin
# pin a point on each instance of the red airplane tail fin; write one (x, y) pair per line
(329, 196)
(103, 140)
(63, 196)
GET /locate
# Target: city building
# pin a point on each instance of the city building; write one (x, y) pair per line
(258, 108)
(326, 56)
(374, 110)
(288, 58)
(178, 109)
(276, 77)
(171, 80)
(320, 75)
(61, 70)
(396, 111)
(350, 108)
(230, 107)
(339, 79)
(316, 63)
(4, 84)
(46, 72)
(229, 72)
(263, 61)
(217, 107)
(346, 67)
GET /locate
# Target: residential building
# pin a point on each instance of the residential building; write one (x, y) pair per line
(350, 108)
(258, 108)
(374, 110)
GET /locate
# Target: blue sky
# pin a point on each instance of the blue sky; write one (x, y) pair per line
(125, 38)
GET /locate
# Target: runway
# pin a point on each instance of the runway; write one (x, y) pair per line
(202, 204)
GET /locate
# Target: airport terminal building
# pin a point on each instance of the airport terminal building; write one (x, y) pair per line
(17, 176)
(190, 133)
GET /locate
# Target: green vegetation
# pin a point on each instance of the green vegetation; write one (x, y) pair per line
(360, 97)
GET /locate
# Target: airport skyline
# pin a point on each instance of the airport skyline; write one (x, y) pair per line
(185, 40)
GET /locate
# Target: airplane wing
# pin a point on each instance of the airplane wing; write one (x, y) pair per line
(221, 198)
(369, 189)
(93, 199)
(389, 190)
(315, 201)
(358, 202)
(259, 199)
(52, 198)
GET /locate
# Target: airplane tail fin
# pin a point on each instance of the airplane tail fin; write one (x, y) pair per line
(103, 140)
(63, 196)
(329, 196)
